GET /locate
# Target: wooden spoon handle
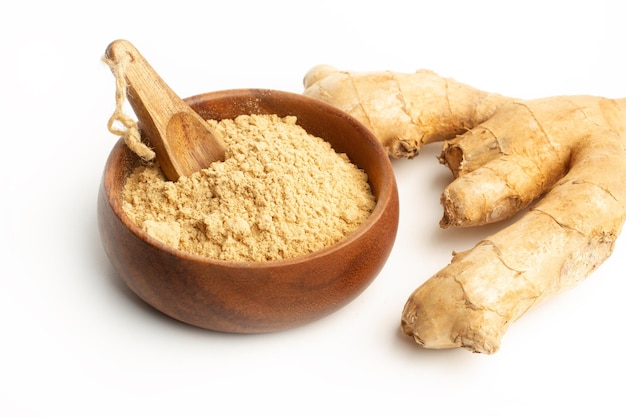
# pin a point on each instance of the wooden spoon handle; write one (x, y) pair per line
(168, 123)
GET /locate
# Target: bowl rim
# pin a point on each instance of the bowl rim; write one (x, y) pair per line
(386, 195)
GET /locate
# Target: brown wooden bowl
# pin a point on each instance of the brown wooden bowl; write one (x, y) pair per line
(255, 297)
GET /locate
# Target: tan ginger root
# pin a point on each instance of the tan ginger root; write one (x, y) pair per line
(404, 111)
(505, 153)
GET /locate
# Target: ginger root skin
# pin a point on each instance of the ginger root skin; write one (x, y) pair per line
(505, 154)
(404, 111)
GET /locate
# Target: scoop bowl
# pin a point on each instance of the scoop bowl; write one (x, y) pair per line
(255, 297)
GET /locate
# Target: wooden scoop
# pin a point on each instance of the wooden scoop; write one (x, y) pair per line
(182, 140)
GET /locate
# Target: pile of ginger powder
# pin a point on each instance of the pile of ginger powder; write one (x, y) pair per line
(280, 193)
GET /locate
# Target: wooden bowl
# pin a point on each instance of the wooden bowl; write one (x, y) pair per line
(255, 297)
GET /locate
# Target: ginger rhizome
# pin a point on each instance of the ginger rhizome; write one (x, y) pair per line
(505, 154)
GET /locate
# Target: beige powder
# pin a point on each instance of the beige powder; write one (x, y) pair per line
(279, 193)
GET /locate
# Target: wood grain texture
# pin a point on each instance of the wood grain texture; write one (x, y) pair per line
(248, 297)
(182, 140)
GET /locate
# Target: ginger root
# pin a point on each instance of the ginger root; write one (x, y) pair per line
(505, 154)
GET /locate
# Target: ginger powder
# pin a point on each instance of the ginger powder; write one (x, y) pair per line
(280, 193)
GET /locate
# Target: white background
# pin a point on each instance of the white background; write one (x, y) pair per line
(76, 342)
